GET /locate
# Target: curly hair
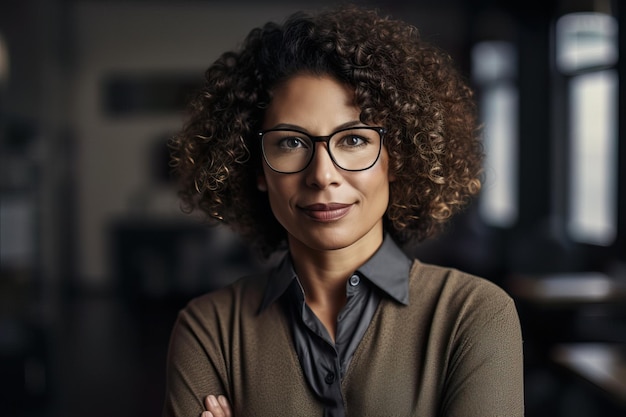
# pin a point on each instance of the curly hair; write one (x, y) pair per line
(399, 80)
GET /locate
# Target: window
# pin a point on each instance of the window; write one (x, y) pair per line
(494, 69)
(586, 54)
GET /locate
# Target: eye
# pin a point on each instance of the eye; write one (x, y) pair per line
(355, 140)
(292, 142)
(352, 141)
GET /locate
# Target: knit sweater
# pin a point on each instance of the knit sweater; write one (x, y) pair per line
(455, 350)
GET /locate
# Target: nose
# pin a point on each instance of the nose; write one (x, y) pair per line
(322, 171)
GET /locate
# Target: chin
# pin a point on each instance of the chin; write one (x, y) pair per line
(334, 241)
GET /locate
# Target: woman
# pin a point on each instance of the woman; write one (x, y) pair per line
(342, 135)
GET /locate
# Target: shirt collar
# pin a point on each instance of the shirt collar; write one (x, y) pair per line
(279, 280)
(388, 269)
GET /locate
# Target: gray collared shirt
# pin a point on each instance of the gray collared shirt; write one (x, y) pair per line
(324, 363)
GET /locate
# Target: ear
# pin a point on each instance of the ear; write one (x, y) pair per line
(261, 184)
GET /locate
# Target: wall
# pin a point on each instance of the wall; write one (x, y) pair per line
(113, 153)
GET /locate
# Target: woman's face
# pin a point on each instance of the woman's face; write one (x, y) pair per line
(324, 207)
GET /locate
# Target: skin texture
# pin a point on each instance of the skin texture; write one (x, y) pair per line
(319, 106)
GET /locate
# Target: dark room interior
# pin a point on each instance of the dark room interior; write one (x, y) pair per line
(97, 256)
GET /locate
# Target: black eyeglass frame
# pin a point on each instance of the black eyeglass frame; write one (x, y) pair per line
(326, 139)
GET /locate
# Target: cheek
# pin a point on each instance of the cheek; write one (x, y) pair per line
(380, 177)
(374, 187)
(378, 188)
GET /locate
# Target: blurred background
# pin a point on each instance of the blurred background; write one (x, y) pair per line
(97, 258)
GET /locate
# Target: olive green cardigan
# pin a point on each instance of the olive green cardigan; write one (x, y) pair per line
(455, 350)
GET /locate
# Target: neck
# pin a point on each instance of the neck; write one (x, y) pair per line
(330, 268)
(323, 274)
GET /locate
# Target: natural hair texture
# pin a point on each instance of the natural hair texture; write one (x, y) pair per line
(400, 82)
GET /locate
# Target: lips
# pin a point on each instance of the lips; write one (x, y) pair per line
(326, 212)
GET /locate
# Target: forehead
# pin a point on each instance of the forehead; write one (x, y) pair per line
(312, 103)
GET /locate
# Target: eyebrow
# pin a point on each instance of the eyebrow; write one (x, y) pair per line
(300, 128)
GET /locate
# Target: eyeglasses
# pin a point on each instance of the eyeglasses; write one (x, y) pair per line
(352, 149)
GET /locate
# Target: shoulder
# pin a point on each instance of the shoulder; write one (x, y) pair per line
(459, 293)
(241, 298)
(424, 276)
(462, 309)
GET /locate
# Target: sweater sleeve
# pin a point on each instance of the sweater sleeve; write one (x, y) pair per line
(194, 368)
(485, 374)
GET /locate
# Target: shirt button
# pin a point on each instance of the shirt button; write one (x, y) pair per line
(330, 378)
(355, 280)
